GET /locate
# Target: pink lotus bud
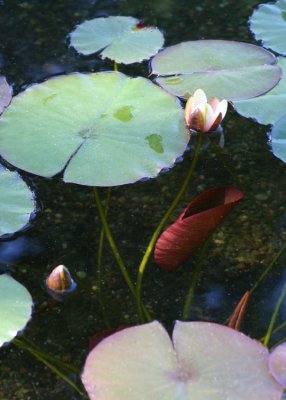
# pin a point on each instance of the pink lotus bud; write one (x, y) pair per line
(60, 282)
(204, 116)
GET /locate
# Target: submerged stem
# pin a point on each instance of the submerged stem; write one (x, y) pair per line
(268, 268)
(277, 329)
(195, 278)
(99, 262)
(115, 250)
(36, 354)
(112, 243)
(274, 316)
(162, 223)
(65, 367)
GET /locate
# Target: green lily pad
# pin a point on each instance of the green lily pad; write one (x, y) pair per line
(278, 138)
(102, 129)
(15, 308)
(16, 202)
(121, 38)
(268, 23)
(5, 93)
(224, 69)
(268, 108)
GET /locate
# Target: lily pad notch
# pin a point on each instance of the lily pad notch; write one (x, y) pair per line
(122, 39)
(224, 69)
(203, 361)
(101, 129)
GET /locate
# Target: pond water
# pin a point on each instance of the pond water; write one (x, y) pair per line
(66, 230)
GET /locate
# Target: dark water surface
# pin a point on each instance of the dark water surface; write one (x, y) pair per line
(34, 47)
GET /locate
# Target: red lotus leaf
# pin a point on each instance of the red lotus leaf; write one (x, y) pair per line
(193, 227)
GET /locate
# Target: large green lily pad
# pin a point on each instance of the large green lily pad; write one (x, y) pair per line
(268, 23)
(16, 202)
(122, 39)
(224, 69)
(102, 129)
(268, 108)
(278, 138)
(15, 308)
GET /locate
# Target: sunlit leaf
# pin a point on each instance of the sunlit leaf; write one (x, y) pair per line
(102, 129)
(120, 38)
(268, 23)
(15, 308)
(16, 202)
(193, 227)
(205, 361)
(224, 69)
(269, 107)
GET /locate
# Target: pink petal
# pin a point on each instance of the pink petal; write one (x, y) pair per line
(198, 98)
(209, 116)
(196, 223)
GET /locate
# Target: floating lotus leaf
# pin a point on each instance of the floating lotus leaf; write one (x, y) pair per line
(102, 129)
(5, 93)
(278, 138)
(121, 38)
(193, 227)
(224, 69)
(268, 23)
(205, 361)
(16, 202)
(269, 107)
(277, 363)
(15, 308)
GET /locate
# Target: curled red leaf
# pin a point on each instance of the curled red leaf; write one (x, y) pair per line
(193, 227)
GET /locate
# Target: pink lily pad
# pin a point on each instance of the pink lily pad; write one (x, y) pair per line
(277, 363)
(193, 227)
(5, 94)
(205, 361)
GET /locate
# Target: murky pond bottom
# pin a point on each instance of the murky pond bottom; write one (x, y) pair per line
(67, 228)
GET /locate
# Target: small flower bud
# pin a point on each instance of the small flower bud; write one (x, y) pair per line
(60, 282)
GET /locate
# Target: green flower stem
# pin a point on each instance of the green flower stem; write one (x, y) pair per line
(268, 268)
(162, 223)
(195, 279)
(220, 156)
(274, 316)
(99, 262)
(65, 367)
(277, 329)
(115, 250)
(52, 367)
